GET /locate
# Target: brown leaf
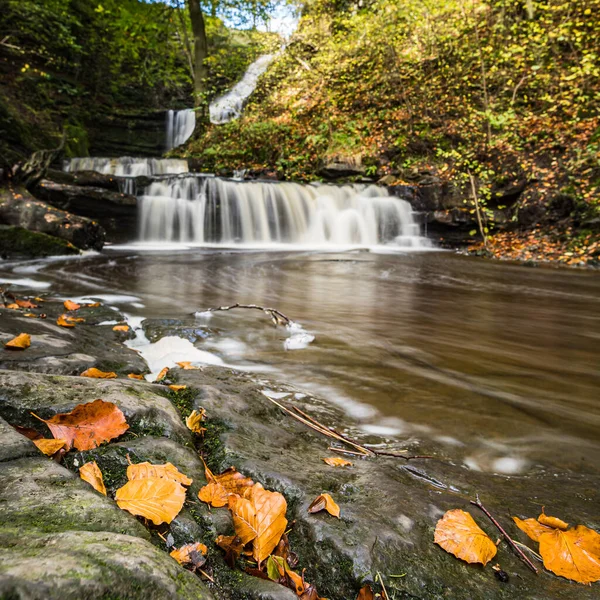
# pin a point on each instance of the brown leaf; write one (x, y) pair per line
(186, 554)
(121, 328)
(88, 425)
(91, 473)
(28, 432)
(186, 365)
(194, 421)
(25, 304)
(366, 593)
(21, 342)
(457, 533)
(325, 502)
(162, 375)
(70, 305)
(177, 388)
(167, 471)
(135, 376)
(97, 374)
(233, 481)
(51, 446)
(335, 461)
(214, 494)
(154, 498)
(233, 547)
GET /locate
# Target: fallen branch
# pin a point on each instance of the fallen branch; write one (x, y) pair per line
(277, 316)
(507, 537)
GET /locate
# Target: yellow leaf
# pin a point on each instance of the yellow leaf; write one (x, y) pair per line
(182, 555)
(186, 365)
(93, 305)
(159, 500)
(457, 533)
(214, 494)
(270, 509)
(13, 306)
(136, 376)
(50, 447)
(97, 374)
(244, 518)
(167, 471)
(553, 522)
(21, 342)
(63, 322)
(121, 328)
(194, 421)
(177, 388)
(91, 473)
(233, 481)
(162, 375)
(88, 425)
(324, 502)
(531, 527)
(335, 461)
(70, 305)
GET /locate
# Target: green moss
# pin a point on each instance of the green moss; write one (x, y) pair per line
(183, 400)
(22, 243)
(211, 445)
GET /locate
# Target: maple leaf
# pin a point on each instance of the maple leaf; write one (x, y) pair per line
(190, 553)
(194, 421)
(167, 471)
(154, 498)
(21, 342)
(97, 374)
(49, 446)
(214, 494)
(335, 461)
(88, 425)
(91, 473)
(324, 502)
(70, 305)
(457, 533)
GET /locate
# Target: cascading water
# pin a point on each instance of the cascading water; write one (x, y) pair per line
(211, 210)
(229, 106)
(127, 166)
(180, 126)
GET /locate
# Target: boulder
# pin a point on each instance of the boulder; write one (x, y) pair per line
(16, 242)
(86, 178)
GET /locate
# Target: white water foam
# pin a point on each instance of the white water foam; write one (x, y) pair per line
(127, 166)
(26, 283)
(180, 126)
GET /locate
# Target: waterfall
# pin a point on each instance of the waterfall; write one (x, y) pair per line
(229, 106)
(211, 210)
(127, 166)
(180, 126)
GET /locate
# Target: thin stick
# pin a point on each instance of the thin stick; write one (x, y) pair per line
(277, 316)
(344, 451)
(507, 537)
(206, 575)
(530, 550)
(386, 596)
(398, 455)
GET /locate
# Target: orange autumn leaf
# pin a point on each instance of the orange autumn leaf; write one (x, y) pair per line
(153, 498)
(50, 446)
(457, 533)
(214, 494)
(186, 365)
(366, 593)
(21, 342)
(233, 481)
(91, 473)
(97, 374)
(184, 555)
(88, 425)
(335, 461)
(121, 328)
(531, 527)
(194, 421)
(324, 502)
(25, 304)
(13, 306)
(164, 372)
(93, 305)
(135, 376)
(63, 321)
(553, 522)
(70, 305)
(178, 388)
(167, 471)
(233, 547)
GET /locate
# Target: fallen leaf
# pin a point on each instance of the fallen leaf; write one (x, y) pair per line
(63, 322)
(88, 425)
(335, 461)
(283, 550)
(135, 376)
(186, 365)
(50, 446)
(366, 593)
(214, 494)
(531, 527)
(164, 372)
(233, 547)
(91, 473)
(93, 305)
(97, 374)
(233, 481)
(194, 421)
(185, 554)
(21, 342)
(13, 306)
(121, 328)
(25, 304)
(70, 305)
(297, 582)
(553, 522)
(177, 388)
(275, 568)
(457, 533)
(154, 498)
(167, 471)
(28, 432)
(325, 502)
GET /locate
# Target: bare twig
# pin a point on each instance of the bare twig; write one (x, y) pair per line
(477, 210)
(344, 451)
(507, 537)
(398, 455)
(533, 552)
(277, 316)
(206, 575)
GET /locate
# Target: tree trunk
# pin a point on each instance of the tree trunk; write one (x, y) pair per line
(200, 55)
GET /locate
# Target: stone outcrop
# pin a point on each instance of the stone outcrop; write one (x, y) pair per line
(16, 242)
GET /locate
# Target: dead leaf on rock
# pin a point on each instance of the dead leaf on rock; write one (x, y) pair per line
(366, 593)
(70, 305)
(154, 498)
(167, 471)
(50, 446)
(66, 321)
(335, 461)
(164, 372)
(13, 306)
(324, 502)
(553, 522)
(190, 553)
(93, 305)
(28, 432)
(233, 481)
(136, 376)
(121, 328)
(97, 374)
(91, 473)
(88, 425)
(214, 494)
(531, 527)
(233, 547)
(194, 421)
(21, 342)
(25, 304)
(186, 365)
(457, 533)
(178, 388)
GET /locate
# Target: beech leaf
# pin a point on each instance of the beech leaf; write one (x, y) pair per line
(335, 461)
(50, 446)
(366, 593)
(136, 376)
(97, 374)
(162, 375)
(324, 502)
(233, 547)
(214, 494)
(88, 425)
(167, 471)
(194, 421)
(70, 305)
(186, 554)
(91, 473)
(457, 533)
(154, 498)
(233, 481)
(177, 388)
(21, 342)
(66, 321)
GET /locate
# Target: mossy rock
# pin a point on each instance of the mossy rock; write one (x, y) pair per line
(16, 242)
